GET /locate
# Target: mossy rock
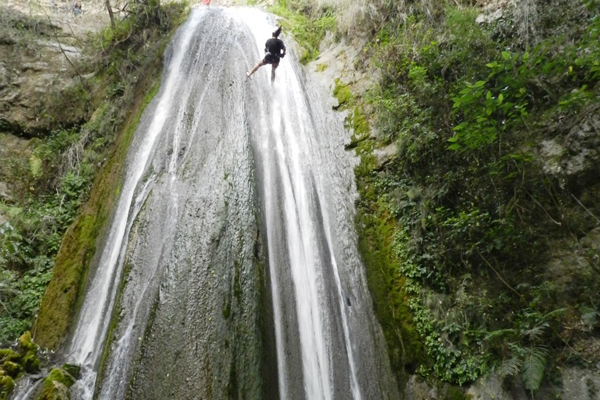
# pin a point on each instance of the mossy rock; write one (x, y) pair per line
(27, 345)
(12, 368)
(54, 390)
(74, 370)
(342, 92)
(7, 384)
(9, 355)
(31, 363)
(62, 376)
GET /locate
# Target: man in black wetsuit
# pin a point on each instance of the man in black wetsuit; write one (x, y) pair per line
(274, 51)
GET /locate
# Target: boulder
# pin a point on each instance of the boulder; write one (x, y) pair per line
(574, 158)
(385, 155)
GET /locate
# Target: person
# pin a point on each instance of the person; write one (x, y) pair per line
(77, 9)
(274, 52)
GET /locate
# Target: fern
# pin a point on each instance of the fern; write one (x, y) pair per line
(534, 365)
(536, 332)
(511, 367)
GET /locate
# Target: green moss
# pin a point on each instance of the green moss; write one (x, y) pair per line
(12, 368)
(54, 391)
(342, 92)
(457, 393)
(28, 350)
(9, 355)
(26, 344)
(7, 384)
(376, 229)
(56, 385)
(227, 308)
(73, 370)
(31, 363)
(62, 376)
(13, 364)
(359, 125)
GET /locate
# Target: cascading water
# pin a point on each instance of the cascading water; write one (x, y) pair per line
(231, 269)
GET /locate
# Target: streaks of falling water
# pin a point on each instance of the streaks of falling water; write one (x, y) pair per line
(299, 150)
(217, 159)
(95, 314)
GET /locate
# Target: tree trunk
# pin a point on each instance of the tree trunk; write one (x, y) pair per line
(110, 14)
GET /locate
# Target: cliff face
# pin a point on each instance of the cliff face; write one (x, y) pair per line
(479, 184)
(37, 66)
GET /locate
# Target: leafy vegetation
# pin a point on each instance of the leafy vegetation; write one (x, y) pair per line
(308, 25)
(471, 205)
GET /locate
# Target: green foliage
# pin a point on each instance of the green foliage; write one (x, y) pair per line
(307, 28)
(28, 245)
(475, 213)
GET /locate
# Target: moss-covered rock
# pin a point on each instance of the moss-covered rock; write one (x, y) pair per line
(74, 370)
(7, 384)
(54, 390)
(342, 92)
(31, 363)
(12, 368)
(58, 382)
(27, 345)
(9, 355)
(62, 376)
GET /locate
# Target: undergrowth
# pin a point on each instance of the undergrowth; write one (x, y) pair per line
(469, 206)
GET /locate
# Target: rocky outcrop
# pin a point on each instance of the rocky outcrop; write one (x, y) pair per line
(36, 66)
(574, 158)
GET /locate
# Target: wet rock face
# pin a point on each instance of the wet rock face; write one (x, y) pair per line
(574, 158)
(33, 70)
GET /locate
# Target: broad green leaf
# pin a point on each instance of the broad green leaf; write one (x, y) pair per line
(506, 55)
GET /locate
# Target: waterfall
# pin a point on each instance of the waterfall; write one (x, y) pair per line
(231, 266)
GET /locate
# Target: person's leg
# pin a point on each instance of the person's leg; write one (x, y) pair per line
(273, 72)
(260, 64)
